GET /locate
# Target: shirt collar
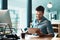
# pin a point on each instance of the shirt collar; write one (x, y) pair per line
(43, 18)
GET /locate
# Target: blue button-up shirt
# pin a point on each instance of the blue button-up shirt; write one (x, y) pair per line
(45, 26)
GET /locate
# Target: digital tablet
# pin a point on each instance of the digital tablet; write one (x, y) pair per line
(34, 30)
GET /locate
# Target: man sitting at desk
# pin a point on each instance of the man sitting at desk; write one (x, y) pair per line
(42, 23)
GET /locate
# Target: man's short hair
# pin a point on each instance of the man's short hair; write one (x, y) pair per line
(40, 8)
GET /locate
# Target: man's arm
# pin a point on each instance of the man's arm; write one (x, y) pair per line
(46, 35)
(42, 35)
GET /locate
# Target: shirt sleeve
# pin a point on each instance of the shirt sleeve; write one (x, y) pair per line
(50, 29)
(48, 25)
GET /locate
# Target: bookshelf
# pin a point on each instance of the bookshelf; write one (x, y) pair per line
(56, 26)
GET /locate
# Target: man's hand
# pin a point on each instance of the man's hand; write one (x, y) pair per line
(38, 31)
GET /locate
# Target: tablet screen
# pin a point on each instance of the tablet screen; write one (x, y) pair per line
(34, 30)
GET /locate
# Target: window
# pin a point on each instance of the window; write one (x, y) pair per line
(0, 4)
(18, 13)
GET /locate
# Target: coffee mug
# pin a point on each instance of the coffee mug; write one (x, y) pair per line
(23, 35)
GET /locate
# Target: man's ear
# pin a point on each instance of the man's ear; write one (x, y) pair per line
(43, 13)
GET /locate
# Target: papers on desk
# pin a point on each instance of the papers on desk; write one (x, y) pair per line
(55, 38)
(30, 36)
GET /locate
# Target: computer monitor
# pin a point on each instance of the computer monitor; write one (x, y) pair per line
(5, 17)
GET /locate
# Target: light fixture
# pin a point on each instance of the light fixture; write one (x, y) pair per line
(49, 5)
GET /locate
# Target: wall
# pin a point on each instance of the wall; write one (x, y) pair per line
(55, 3)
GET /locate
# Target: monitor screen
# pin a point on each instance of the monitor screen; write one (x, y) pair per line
(5, 17)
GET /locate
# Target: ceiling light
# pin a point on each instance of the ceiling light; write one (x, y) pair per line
(49, 5)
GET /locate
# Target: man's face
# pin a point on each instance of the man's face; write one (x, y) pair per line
(39, 14)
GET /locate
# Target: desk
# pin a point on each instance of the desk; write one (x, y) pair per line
(32, 37)
(43, 38)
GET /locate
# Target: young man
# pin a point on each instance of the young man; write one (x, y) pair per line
(42, 23)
